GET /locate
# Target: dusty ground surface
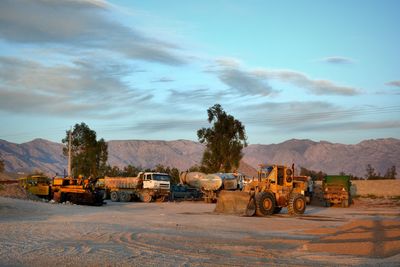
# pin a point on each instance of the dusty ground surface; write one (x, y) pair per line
(190, 234)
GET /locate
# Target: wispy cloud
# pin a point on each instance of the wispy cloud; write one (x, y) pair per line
(84, 24)
(184, 125)
(196, 97)
(348, 126)
(257, 81)
(243, 82)
(85, 87)
(393, 83)
(163, 80)
(337, 60)
(314, 86)
(315, 116)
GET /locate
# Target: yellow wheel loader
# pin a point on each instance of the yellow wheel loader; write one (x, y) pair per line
(273, 189)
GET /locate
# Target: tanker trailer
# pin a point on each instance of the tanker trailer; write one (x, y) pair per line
(208, 184)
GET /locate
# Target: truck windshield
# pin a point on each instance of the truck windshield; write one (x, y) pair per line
(161, 177)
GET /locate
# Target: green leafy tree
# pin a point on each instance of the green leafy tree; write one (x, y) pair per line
(224, 141)
(89, 155)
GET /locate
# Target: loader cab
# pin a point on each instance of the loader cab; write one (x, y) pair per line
(275, 174)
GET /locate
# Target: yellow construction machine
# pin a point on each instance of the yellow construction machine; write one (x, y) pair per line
(38, 185)
(273, 189)
(77, 190)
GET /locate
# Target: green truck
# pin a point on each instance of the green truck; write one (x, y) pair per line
(336, 189)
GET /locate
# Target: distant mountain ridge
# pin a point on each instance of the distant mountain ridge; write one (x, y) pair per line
(331, 158)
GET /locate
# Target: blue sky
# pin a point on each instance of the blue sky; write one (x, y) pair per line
(319, 70)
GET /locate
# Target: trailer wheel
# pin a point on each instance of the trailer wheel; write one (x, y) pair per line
(114, 196)
(297, 204)
(265, 203)
(124, 196)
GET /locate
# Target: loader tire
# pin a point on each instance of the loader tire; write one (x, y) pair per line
(114, 196)
(124, 196)
(297, 204)
(265, 203)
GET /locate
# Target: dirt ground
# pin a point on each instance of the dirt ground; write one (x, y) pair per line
(34, 233)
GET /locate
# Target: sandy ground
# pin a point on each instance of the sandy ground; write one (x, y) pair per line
(189, 234)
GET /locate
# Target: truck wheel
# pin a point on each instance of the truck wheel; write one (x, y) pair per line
(297, 204)
(124, 196)
(265, 203)
(162, 199)
(114, 196)
(145, 197)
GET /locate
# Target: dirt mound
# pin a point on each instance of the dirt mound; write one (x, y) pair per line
(15, 191)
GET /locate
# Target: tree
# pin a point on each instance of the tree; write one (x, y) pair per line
(391, 173)
(1, 165)
(112, 171)
(130, 171)
(89, 156)
(315, 176)
(371, 174)
(173, 172)
(224, 141)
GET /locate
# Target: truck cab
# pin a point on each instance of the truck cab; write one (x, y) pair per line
(155, 180)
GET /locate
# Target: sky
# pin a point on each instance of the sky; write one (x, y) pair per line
(149, 70)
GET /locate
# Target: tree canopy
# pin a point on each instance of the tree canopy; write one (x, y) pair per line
(316, 176)
(1, 165)
(224, 141)
(89, 155)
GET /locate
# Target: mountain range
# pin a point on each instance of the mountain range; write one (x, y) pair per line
(332, 158)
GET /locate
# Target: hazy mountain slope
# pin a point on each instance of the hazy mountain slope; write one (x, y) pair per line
(39, 154)
(181, 154)
(332, 158)
(329, 157)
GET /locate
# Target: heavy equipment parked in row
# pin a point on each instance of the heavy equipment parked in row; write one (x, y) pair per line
(211, 184)
(146, 187)
(61, 189)
(38, 185)
(76, 190)
(336, 190)
(273, 189)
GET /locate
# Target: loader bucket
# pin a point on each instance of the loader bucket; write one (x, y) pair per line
(235, 202)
